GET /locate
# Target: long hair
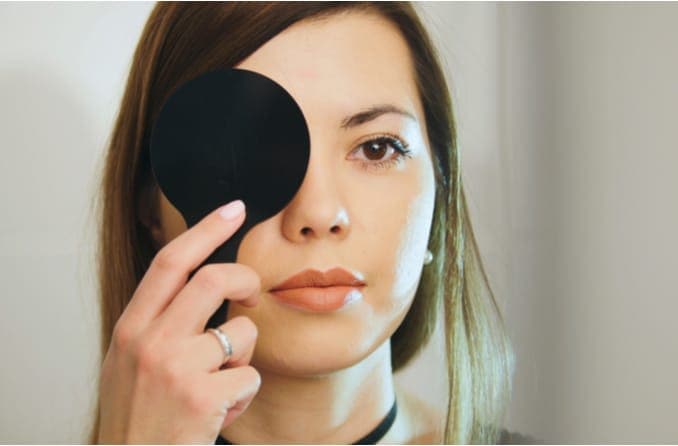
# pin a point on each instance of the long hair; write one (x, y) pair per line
(181, 41)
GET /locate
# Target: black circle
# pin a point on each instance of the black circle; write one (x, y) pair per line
(226, 135)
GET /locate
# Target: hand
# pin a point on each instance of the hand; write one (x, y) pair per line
(162, 379)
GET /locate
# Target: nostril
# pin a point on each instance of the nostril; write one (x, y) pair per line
(305, 231)
(335, 229)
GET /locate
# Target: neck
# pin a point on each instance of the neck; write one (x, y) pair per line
(340, 407)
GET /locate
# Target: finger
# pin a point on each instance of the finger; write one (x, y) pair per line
(220, 392)
(190, 310)
(207, 354)
(172, 265)
(244, 359)
(233, 389)
(235, 410)
(243, 335)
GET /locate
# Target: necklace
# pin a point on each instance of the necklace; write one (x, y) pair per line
(371, 438)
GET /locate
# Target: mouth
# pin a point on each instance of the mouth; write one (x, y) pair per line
(312, 290)
(319, 299)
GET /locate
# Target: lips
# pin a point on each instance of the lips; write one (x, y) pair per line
(316, 291)
(316, 279)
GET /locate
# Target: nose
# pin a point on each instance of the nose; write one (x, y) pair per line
(317, 211)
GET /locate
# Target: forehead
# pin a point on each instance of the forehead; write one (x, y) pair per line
(338, 64)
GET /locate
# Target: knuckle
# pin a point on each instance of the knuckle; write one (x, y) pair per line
(210, 277)
(248, 278)
(252, 277)
(167, 259)
(146, 358)
(122, 337)
(257, 283)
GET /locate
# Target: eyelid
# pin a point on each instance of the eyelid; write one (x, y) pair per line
(368, 138)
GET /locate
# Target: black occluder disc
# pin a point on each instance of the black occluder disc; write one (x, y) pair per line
(226, 135)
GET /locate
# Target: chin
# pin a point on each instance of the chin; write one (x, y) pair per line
(303, 367)
(309, 345)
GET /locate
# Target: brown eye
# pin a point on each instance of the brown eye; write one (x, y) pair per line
(375, 150)
(382, 152)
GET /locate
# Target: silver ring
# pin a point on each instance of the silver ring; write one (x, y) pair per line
(224, 341)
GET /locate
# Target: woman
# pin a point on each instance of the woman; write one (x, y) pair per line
(382, 201)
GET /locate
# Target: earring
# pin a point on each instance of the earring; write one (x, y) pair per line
(428, 258)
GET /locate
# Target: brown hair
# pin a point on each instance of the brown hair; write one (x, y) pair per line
(181, 41)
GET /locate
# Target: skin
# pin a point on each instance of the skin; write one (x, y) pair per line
(328, 377)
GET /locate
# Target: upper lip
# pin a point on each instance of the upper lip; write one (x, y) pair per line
(315, 278)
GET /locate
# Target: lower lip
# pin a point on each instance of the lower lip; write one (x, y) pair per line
(319, 299)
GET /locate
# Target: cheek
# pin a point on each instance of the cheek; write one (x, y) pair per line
(400, 236)
(412, 244)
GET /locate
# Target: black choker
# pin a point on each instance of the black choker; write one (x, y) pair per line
(371, 438)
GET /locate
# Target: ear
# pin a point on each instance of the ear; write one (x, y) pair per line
(148, 211)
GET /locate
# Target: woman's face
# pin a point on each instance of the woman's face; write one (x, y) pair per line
(362, 206)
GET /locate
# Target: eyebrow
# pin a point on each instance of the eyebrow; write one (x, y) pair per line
(373, 113)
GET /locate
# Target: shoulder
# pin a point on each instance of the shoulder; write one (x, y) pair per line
(423, 421)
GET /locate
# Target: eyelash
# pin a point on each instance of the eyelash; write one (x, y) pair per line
(399, 146)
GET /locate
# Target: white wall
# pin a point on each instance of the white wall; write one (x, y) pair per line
(590, 96)
(62, 71)
(564, 115)
(568, 129)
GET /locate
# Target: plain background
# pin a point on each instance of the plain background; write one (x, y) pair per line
(567, 119)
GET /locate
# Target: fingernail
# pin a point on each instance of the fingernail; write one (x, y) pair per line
(232, 210)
